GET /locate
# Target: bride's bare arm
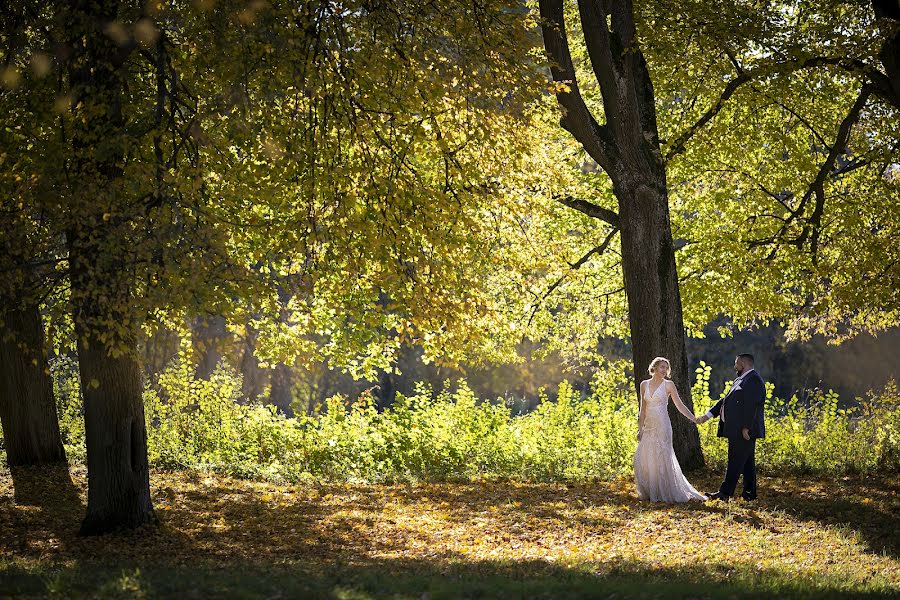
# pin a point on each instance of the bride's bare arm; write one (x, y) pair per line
(673, 391)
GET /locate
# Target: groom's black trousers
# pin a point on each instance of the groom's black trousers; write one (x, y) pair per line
(741, 461)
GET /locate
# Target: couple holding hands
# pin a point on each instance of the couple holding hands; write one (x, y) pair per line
(658, 475)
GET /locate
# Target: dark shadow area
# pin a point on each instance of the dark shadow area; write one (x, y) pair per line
(417, 579)
(47, 486)
(45, 502)
(867, 505)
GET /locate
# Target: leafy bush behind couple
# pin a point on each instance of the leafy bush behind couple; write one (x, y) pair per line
(199, 424)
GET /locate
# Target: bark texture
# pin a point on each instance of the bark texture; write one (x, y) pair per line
(27, 405)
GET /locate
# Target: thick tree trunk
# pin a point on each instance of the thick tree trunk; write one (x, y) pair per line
(654, 301)
(115, 429)
(627, 147)
(27, 406)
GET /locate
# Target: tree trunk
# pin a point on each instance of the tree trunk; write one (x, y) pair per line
(102, 276)
(627, 147)
(115, 429)
(654, 302)
(252, 381)
(208, 334)
(281, 390)
(385, 392)
(27, 406)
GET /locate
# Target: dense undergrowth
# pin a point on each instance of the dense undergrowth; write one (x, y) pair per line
(438, 436)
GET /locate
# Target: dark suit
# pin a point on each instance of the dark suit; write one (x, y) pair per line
(744, 407)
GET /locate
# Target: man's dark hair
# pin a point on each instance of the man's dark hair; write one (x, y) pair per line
(747, 357)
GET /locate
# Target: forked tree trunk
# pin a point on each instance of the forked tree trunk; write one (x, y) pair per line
(27, 406)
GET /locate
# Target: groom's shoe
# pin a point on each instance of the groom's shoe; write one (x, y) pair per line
(718, 496)
(748, 497)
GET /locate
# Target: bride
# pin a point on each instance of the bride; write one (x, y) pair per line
(657, 473)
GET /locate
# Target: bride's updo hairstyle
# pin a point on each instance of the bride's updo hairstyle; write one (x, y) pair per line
(656, 362)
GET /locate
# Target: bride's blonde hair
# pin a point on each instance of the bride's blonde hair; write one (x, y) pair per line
(655, 362)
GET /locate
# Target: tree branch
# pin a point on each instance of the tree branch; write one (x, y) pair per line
(816, 189)
(680, 143)
(576, 119)
(597, 40)
(574, 266)
(887, 12)
(591, 210)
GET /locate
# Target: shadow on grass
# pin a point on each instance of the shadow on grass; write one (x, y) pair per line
(227, 538)
(45, 501)
(417, 579)
(869, 506)
(49, 487)
(866, 505)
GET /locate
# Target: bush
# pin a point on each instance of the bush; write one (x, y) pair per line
(69, 406)
(453, 435)
(445, 436)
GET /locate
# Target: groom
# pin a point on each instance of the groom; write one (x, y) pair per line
(740, 415)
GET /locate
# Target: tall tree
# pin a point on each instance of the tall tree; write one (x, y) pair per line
(102, 276)
(627, 147)
(777, 141)
(202, 141)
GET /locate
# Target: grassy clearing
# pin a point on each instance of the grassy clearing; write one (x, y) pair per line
(228, 537)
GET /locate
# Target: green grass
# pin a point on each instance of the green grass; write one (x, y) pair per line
(417, 579)
(225, 537)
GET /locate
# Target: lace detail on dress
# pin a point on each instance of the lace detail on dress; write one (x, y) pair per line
(657, 474)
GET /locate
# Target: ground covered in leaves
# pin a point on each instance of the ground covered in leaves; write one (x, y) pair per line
(237, 538)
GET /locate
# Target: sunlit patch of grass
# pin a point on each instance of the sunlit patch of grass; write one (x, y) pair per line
(482, 538)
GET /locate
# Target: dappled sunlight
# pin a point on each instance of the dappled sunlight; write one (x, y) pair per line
(599, 529)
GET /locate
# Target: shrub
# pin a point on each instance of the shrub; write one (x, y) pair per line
(452, 435)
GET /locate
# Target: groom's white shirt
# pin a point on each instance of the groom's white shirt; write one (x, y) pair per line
(736, 384)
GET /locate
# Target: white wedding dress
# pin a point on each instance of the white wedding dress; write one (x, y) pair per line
(657, 473)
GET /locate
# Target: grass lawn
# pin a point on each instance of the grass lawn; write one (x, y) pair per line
(223, 537)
